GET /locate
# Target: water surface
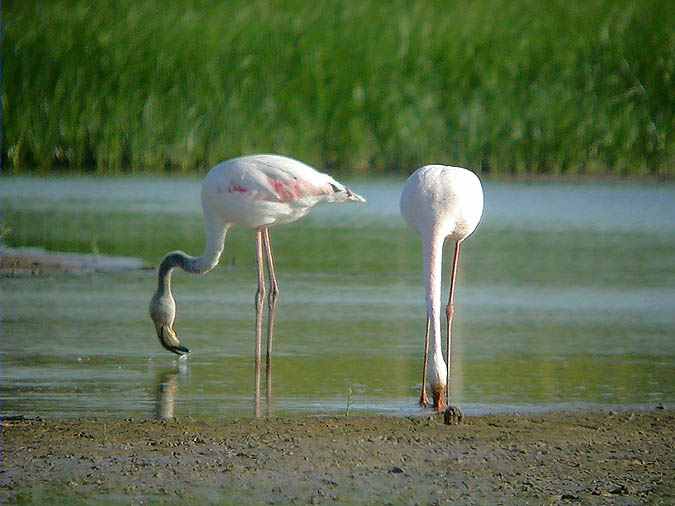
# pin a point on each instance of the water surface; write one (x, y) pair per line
(565, 299)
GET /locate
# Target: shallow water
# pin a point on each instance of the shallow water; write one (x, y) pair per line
(565, 299)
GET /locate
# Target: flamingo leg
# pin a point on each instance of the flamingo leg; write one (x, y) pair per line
(450, 312)
(259, 301)
(272, 308)
(274, 291)
(424, 400)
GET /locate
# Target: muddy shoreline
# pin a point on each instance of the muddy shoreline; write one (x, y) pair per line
(586, 458)
(38, 261)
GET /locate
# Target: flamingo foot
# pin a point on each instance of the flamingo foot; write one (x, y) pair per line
(424, 400)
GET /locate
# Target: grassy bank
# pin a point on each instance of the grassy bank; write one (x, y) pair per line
(507, 87)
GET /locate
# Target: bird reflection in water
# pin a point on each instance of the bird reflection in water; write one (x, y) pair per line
(167, 387)
(167, 379)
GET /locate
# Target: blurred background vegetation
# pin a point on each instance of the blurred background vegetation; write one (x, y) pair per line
(502, 86)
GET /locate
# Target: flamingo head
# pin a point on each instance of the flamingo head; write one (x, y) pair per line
(438, 380)
(438, 396)
(340, 193)
(163, 314)
(354, 197)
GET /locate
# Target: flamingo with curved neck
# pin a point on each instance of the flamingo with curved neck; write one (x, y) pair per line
(441, 203)
(257, 191)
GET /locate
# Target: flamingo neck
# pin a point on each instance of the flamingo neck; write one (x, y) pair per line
(433, 263)
(215, 241)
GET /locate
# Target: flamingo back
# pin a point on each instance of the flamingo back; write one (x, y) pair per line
(443, 201)
(263, 190)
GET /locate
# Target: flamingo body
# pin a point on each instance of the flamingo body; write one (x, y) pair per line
(265, 190)
(441, 203)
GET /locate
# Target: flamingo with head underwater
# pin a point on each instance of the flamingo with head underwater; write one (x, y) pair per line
(441, 203)
(256, 191)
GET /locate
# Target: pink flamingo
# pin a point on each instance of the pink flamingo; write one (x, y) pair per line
(256, 191)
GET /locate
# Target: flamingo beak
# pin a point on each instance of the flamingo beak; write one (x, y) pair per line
(179, 350)
(354, 197)
(169, 339)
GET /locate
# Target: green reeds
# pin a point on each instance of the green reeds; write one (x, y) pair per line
(503, 86)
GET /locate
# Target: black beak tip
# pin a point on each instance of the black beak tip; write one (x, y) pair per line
(180, 350)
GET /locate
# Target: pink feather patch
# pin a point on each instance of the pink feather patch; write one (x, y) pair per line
(235, 188)
(286, 192)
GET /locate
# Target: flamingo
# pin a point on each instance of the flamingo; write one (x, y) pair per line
(441, 203)
(256, 191)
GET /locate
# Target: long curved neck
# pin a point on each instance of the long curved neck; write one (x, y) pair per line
(215, 240)
(433, 264)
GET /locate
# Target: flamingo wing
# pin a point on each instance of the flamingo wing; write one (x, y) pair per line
(276, 179)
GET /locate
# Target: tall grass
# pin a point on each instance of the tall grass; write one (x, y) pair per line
(505, 86)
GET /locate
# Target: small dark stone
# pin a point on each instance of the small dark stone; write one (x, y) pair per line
(453, 415)
(620, 490)
(396, 470)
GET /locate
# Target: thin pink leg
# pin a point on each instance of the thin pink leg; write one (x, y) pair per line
(259, 301)
(424, 400)
(274, 290)
(450, 312)
(272, 308)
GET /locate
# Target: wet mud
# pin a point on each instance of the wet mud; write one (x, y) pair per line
(556, 458)
(37, 261)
